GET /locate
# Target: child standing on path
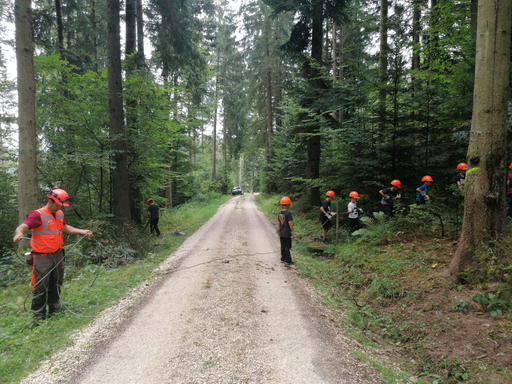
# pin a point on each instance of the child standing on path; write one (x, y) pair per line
(353, 212)
(285, 230)
(423, 196)
(389, 195)
(325, 215)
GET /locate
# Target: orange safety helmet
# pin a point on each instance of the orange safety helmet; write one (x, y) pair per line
(330, 194)
(58, 195)
(427, 178)
(354, 194)
(396, 183)
(285, 201)
(149, 200)
(462, 166)
(510, 166)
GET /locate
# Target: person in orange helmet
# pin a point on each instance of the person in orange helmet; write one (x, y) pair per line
(46, 260)
(460, 177)
(423, 196)
(389, 195)
(325, 215)
(353, 212)
(285, 230)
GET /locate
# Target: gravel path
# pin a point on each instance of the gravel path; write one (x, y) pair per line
(221, 309)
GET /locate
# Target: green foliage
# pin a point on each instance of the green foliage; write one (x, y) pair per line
(385, 288)
(460, 305)
(491, 263)
(496, 304)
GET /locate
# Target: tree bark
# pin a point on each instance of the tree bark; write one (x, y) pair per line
(383, 63)
(131, 60)
(314, 147)
(484, 206)
(27, 134)
(120, 181)
(140, 34)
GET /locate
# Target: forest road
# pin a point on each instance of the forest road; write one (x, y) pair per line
(224, 310)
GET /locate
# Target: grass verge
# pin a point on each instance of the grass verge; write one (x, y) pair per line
(87, 291)
(386, 286)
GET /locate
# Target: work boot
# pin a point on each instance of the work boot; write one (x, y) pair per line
(54, 308)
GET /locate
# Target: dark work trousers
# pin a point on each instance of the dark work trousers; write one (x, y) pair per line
(354, 224)
(47, 279)
(153, 226)
(286, 245)
(509, 206)
(388, 210)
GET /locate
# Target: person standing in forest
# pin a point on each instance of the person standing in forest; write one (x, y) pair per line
(46, 260)
(154, 216)
(423, 196)
(353, 212)
(325, 215)
(389, 195)
(285, 230)
(460, 177)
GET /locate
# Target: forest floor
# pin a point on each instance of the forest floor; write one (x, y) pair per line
(442, 330)
(389, 294)
(221, 309)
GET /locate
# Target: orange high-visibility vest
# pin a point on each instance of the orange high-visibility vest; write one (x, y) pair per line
(48, 237)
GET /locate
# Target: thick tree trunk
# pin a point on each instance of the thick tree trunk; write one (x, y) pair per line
(484, 206)
(268, 86)
(314, 148)
(278, 90)
(27, 134)
(130, 27)
(140, 34)
(120, 182)
(136, 197)
(94, 22)
(60, 28)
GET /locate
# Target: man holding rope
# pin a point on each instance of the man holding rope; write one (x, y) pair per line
(46, 260)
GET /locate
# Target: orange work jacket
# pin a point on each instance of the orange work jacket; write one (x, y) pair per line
(48, 237)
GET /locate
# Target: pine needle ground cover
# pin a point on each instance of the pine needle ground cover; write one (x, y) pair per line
(387, 290)
(88, 289)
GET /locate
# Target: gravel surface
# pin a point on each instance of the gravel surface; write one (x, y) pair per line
(221, 309)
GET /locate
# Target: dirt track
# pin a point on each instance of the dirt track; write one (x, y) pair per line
(224, 310)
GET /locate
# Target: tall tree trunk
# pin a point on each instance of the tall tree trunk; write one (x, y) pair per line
(130, 22)
(120, 183)
(278, 89)
(94, 21)
(136, 197)
(27, 135)
(216, 101)
(60, 28)
(140, 34)
(484, 205)
(268, 86)
(416, 30)
(383, 63)
(316, 82)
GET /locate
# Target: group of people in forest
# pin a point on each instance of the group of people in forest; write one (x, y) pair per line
(46, 260)
(389, 196)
